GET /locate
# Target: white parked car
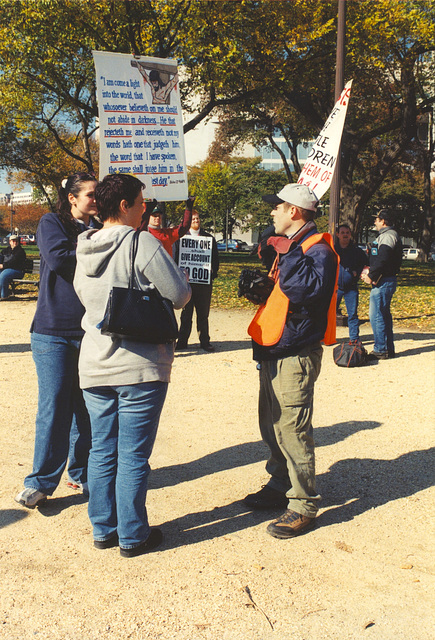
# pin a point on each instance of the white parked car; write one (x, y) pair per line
(411, 254)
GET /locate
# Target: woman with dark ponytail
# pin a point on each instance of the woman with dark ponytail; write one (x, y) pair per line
(62, 422)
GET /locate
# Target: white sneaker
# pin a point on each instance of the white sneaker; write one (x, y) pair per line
(30, 497)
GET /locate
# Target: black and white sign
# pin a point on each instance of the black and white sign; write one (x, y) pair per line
(195, 257)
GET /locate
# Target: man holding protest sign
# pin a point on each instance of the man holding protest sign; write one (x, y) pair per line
(197, 253)
(168, 236)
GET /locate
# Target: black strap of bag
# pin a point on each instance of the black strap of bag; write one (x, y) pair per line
(142, 315)
(133, 251)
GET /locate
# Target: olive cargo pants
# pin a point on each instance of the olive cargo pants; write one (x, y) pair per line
(285, 413)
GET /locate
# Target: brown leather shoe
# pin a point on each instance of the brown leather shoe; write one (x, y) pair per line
(290, 524)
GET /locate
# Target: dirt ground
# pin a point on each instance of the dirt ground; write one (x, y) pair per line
(366, 571)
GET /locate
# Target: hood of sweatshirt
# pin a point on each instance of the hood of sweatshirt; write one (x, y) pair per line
(96, 247)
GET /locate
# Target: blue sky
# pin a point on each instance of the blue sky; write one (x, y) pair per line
(5, 188)
(3, 185)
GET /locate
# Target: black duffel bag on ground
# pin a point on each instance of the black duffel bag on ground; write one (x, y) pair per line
(350, 354)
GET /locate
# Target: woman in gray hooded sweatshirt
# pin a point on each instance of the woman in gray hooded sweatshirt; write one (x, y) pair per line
(124, 382)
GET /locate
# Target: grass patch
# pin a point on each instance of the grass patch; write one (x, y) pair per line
(32, 252)
(225, 286)
(413, 304)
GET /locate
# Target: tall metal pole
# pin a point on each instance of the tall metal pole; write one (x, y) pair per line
(12, 214)
(9, 201)
(334, 206)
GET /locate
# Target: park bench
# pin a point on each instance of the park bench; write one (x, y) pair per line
(32, 268)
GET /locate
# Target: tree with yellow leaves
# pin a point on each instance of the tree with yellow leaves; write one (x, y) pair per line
(260, 66)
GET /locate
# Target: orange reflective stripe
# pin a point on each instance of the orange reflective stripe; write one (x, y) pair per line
(268, 324)
(261, 329)
(329, 337)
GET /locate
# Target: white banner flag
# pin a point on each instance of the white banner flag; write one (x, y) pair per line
(141, 124)
(320, 164)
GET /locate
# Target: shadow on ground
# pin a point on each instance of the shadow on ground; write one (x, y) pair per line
(350, 488)
(15, 348)
(206, 525)
(236, 456)
(53, 506)
(244, 454)
(221, 346)
(11, 516)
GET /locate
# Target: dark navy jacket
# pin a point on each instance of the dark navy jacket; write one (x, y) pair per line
(352, 259)
(59, 311)
(308, 281)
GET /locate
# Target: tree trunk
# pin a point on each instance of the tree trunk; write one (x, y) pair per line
(428, 215)
(354, 199)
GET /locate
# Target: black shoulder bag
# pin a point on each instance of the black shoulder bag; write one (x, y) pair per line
(139, 314)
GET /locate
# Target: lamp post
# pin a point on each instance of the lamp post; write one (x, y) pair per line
(334, 207)
(9, 199)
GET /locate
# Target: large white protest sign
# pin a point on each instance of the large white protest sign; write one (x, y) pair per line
(320, 165)
(141, 126)
(195, 257)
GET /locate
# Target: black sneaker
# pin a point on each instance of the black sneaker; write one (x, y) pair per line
(180, 346)
(266, 498)
(208, 347)
(154, 540)
(290, 524)
(107, 544)
(378, 355)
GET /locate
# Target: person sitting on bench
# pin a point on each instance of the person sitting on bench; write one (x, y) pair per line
(13, 264)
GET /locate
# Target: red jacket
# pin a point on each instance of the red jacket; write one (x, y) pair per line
(169, 235)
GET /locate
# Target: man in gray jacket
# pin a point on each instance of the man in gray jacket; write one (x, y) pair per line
(385, 261)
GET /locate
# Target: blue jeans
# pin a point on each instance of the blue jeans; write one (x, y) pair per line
(62, 423)
(380, 315)
(6, 277)
(351, 301)
(124, 422)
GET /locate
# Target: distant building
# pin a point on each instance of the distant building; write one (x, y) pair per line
(16, 199)
(271, 160)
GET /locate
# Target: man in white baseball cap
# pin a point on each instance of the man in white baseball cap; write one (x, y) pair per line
(287, 334)
(297, 194)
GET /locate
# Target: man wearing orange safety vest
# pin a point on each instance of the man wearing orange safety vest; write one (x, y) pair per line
(287, 332)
